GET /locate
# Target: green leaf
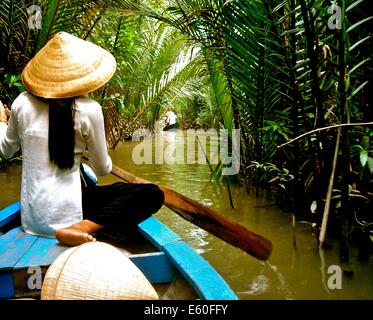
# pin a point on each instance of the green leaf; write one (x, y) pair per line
(354, 5)
(281, 5)
(358, 43)
(358, 65)
(363, 157)
(358, 89)
(359, 23)
(365, 142)
(370, 164)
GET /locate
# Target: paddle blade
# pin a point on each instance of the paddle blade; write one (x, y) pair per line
(225, 229)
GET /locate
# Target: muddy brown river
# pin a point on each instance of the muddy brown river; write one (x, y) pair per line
(290, 273)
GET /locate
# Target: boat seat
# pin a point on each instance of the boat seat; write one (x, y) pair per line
(22, 253)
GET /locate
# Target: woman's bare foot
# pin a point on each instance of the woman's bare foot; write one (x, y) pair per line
(78, 233)
(73, 237)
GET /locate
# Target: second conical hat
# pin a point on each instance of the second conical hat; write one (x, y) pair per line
(95, 271)
(68, 66)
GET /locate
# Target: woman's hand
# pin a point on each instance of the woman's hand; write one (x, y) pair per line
(4, 113)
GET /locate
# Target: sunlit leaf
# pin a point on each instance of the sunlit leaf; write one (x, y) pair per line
(363, 157)
(359, 23)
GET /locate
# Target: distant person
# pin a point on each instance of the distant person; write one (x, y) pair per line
(54, 122)
(170, 121)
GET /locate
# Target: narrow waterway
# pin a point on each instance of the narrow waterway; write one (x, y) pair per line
(290, 273)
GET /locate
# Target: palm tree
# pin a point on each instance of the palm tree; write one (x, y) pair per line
(279, 70)
(21, 38)
(159, 69)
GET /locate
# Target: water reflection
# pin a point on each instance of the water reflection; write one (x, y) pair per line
(10, 184)
(283, 287)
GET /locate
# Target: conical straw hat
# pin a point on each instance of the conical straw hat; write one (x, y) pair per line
(68, 66)
(95, 271)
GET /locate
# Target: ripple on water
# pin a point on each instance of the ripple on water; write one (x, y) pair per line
(259, 285)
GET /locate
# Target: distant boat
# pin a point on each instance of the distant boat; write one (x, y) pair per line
(170, 126)
(170, 121)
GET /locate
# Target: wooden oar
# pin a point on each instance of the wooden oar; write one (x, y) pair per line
(207, 219)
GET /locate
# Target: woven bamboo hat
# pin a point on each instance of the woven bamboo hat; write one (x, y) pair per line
(68, 66)
(95, 271)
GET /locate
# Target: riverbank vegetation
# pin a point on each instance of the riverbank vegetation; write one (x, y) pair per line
(273, 69)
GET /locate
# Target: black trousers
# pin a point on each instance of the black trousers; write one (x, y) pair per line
(120, 207)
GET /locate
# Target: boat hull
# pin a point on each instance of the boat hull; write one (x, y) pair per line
(174, 268)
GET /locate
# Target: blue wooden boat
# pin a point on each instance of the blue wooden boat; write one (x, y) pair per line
(174, 268)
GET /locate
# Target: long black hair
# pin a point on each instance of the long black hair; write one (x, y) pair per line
(61, 132)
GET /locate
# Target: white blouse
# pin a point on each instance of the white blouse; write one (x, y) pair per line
(51, 197)
(171, 118)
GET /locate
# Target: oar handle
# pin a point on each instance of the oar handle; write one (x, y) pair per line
(204, 217)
